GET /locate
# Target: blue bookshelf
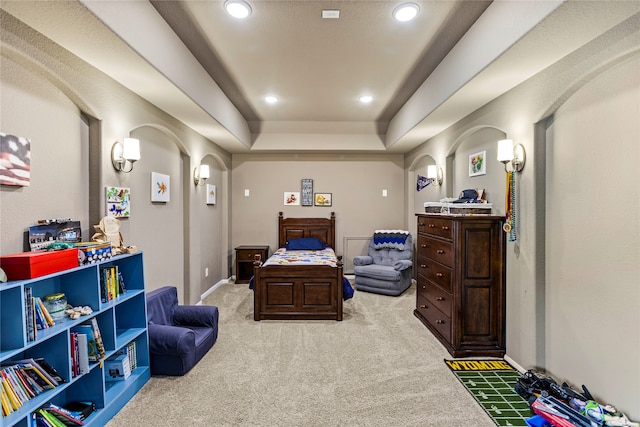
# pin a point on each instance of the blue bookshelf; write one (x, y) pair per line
(122, 320)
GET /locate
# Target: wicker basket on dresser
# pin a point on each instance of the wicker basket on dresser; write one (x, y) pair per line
(461, 291)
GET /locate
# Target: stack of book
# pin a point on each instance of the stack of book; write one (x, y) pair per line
(111, 283)
(25, 379)
(56, 416)
(36, 315)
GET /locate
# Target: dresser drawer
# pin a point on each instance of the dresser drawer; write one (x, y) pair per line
(440, 275)
(436, 296)
(437, 250)
(436, 226)
(438, 320)
(249, 255)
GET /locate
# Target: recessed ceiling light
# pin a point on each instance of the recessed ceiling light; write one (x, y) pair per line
(365, 99)
(237, 8)
(271, 99)
(406, 12)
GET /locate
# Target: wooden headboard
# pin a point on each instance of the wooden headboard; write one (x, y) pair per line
(295, 228)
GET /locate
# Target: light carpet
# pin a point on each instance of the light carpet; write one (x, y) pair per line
(378, 367)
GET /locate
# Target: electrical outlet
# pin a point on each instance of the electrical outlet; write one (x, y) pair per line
(206, 272)
(384, 193)
(246, 192)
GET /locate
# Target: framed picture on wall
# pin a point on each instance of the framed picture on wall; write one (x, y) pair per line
(211, 194)
(15, 152)
(292, 198)
(160, 187)
(323, 199)
(118, 202)
(307, 192)
(477, 164)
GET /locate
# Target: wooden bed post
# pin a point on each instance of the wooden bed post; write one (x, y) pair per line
(257, 290)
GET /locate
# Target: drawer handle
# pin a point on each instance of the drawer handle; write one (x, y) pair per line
(439, 275)
(432, 226)
(421, 224)
(424, 287)
(444, 227)
(440, 322)
(423, 266)
(423, 306)
(423, 246)
(440, 251)
(440, 299)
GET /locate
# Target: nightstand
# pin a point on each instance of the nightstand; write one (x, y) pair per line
(245, 256)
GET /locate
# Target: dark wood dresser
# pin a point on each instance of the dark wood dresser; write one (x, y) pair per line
(461, 282)
(245, 256)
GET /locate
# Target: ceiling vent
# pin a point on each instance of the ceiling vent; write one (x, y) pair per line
(330, 14)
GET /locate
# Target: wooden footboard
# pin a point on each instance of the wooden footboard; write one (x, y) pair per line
(297, 292)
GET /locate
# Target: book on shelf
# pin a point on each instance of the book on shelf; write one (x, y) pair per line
(121, 285)
(18, 392)
(29, 308)
(98, 338)
(83, 353)
(130, 351)
(63, 415)
(73, 350)
(49, 370)
(43, 319)
(50, 418)
(92, 347)
(111, 283)
(14, 401)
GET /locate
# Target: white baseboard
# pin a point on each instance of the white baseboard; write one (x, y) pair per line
(514, 364)
(211, 289)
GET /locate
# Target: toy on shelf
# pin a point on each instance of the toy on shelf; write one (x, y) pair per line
(108, 230)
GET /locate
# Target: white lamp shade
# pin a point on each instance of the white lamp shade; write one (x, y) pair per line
(505, 150)
(432, 172)
(204, 172)
(131, 149)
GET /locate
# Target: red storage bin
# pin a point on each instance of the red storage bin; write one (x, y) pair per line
(28, 265)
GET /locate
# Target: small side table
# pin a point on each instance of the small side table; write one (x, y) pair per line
(245, 256)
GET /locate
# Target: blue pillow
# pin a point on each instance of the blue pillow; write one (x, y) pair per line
(305, 243)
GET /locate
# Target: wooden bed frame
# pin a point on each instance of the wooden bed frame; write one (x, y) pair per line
(299, 292)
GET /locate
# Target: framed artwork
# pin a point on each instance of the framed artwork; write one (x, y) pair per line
(160, 187)
(323, 199)
(211, 194)
(477, 164)
(292, 198)
(15, 152)
(118, 202)
(307, 192)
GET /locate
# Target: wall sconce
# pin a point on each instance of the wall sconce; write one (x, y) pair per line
(124, 154)
(201, 174)
(434, 173)
(507, 153)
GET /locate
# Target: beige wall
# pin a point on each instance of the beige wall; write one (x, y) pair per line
(593, 236)
(356, 183)
(584, 108)
(43, 96)
(543, 317)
